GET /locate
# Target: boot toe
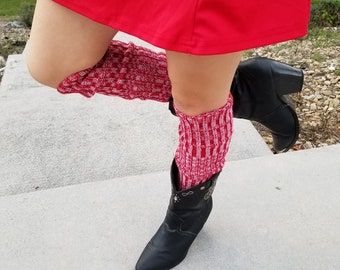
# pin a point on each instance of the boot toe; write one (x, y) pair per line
(152, 259)
(165, 250)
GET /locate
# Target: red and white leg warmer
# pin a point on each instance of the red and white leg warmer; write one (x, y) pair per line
(131, 72)
(203, 144)
(127, 71)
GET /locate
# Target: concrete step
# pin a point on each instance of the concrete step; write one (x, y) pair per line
(49, 140)
(16, 77)
(273, 212)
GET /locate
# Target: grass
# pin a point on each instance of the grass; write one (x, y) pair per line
(323, 35)
(318, 57)
(13, 7)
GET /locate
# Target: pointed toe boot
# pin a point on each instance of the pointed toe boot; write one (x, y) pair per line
(187, 213)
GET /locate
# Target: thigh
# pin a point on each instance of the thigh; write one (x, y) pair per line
(201, 84)
(63, 42)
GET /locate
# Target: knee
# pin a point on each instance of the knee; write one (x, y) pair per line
(190, 104)
(194, 103)
(48, 67)
(201, 84)
(41, 72)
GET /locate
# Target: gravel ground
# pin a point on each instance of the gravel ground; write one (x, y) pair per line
(317, 105)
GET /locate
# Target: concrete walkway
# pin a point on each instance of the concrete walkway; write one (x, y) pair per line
(50, 140)
(84, 184)
(274, 212)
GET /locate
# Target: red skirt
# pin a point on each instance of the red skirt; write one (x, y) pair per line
(201, 27)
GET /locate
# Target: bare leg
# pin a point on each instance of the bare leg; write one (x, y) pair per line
(201, 96)
(201, 83)
(200, 87)
(63, 42)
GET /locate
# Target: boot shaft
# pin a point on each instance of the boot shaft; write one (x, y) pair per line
(192, 198)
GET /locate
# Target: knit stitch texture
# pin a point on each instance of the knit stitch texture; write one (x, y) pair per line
(203, 144)
(127, 71)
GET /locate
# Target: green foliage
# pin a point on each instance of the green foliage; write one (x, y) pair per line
(13, 7)
(318, 57)
(323, 36)
(26, 15)
(325, 13)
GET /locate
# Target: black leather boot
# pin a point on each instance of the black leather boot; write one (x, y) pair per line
(187, 213)
(258, 88)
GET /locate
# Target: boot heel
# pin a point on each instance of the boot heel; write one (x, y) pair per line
(286, 79)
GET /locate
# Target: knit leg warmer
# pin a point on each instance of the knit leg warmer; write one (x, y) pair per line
(127, 71)
(131, 72)
(203, 144)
